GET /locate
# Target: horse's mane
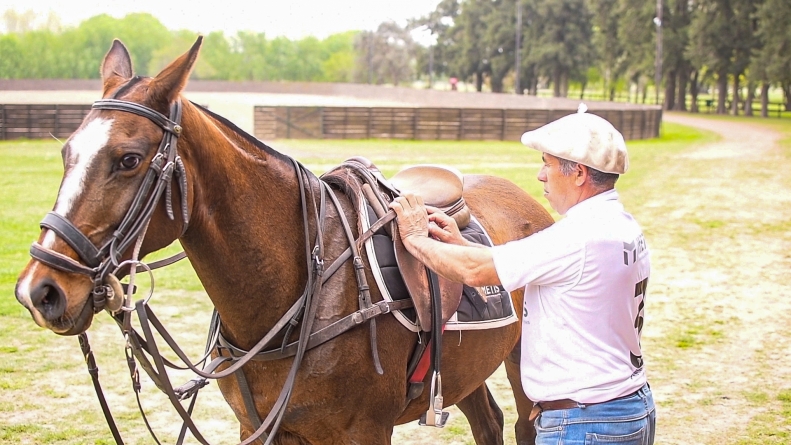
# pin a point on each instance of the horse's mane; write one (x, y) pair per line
(237, 133)
(347, 180)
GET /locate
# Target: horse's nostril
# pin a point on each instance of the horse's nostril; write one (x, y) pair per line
(48, 300)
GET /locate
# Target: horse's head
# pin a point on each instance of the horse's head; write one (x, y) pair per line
(121, 172)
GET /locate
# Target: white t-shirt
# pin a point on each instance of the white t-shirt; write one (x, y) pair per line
(584, 279)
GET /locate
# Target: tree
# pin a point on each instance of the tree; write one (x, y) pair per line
(384, 56)
(441, 24)
(710, 43)
(609, 47)
(771, 62)
(677, 67)
(473, 53)
(638, 34)
(563, 48)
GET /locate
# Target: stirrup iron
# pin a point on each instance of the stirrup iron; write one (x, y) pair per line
(435, 416)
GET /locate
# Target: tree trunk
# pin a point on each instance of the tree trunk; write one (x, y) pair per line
(644, 88)
(722, 93)
(735, 103)
(683, 79)
(748, 103)
(670, 91)
(564, 83)
(556, 82)
(787, 92)
(497, 84)
(693, 91)
(765, 99)
(479, 81)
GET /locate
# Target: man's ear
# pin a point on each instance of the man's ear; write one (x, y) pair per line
(581, 174)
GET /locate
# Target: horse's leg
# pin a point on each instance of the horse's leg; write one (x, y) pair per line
(485, 417)
(524, 428)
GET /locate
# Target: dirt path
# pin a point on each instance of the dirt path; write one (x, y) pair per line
(718, 328)
(719, 284)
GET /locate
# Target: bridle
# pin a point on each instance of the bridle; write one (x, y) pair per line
(102, 263)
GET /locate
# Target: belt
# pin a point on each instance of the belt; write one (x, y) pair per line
(552, 405)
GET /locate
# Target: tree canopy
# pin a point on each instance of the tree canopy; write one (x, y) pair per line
(728, 46)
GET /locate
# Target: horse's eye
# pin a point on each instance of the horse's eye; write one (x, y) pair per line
(129, 162)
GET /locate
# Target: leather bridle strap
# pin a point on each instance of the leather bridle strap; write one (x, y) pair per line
(73, 237)
(93, 370)
(101, 260)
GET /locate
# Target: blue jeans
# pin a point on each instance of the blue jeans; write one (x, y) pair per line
(626, 421)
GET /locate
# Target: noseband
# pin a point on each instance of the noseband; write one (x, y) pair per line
(100, 263)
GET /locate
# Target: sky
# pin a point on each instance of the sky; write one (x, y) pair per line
(294, 19)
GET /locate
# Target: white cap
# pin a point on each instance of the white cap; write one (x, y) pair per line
(584, 138)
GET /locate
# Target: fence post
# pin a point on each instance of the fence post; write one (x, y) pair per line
(502, 124)
(642, 125)
(288, 123)
(321, 122)
(368, 129)
(414, 122)
(461, 124)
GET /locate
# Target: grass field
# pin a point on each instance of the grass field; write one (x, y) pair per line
(45, 393)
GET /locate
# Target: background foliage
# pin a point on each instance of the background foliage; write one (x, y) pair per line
(737, 51)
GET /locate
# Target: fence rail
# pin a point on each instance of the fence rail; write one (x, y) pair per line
(430, 123)
(34, 121)
(37, 121)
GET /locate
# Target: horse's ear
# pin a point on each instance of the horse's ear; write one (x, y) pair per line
(167, 85)
(116, 67)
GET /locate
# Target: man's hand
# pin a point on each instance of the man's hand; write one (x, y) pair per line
(412, 216)
(443, 228)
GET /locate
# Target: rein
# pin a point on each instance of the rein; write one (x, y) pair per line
(102, 264)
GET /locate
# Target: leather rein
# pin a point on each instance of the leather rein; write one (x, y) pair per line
(102, 264)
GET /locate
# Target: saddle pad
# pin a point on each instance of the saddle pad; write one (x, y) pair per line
(480, 308)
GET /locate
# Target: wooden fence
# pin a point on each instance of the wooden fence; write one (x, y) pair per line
(44, 121)
(430, 123)
(40, 121)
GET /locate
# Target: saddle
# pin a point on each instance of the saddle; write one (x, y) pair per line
(440, 187)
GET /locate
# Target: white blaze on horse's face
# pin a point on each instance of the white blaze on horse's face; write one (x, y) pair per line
(84, 146)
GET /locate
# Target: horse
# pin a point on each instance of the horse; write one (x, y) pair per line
(242, 225)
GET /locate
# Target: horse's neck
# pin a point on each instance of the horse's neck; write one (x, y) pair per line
(246, 235)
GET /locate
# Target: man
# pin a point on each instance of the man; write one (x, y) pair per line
(584, 279)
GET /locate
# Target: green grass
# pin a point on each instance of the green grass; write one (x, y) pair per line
(33, 359)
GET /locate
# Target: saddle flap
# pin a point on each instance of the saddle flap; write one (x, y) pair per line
(415, 278)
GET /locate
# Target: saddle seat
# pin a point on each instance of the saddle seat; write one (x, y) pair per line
(439, 186)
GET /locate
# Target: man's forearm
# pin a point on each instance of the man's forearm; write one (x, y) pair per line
(471, 265)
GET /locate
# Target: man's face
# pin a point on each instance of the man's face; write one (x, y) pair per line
(561, 191)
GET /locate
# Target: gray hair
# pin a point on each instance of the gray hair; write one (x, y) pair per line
(599, 179)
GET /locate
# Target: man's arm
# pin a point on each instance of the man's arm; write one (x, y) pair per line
(463, 263)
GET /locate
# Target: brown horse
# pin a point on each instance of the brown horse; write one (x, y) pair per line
(242, 229)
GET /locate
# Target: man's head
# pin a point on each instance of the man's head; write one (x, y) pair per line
(583, 156)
